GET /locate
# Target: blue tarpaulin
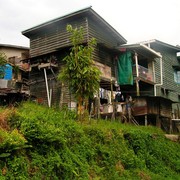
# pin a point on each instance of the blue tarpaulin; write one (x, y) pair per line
(8, 72)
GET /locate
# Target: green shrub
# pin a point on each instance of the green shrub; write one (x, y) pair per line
(159, 154)
(44, 143)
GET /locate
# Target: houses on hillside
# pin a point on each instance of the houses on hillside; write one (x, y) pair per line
(156, 82)
(13, 84)
(147, 71)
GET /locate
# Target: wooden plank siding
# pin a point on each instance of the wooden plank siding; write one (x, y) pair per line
(105, 57)
(102, 35)
(38, 86)
(105, 51)
(152, 106)
(48, 42)
(169, 89)
(60, 92)
(51, 38)
(52, 41)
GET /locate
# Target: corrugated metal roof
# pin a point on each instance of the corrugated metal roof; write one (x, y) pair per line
(141, 49)
(155, 41)
(144, 48)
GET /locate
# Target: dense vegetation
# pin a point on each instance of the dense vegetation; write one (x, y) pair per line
(41, 143)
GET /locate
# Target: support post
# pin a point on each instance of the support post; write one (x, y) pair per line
(158, 121)
(137, 88)
(50, 97)
(137, 75)
(47, 88)
(98, 106)
(170, 125)
(61, 96)
(112, 101)
(145, 120)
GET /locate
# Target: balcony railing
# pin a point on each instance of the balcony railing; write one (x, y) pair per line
(144, 73)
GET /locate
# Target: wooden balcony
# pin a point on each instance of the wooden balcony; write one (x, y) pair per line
(144, 74)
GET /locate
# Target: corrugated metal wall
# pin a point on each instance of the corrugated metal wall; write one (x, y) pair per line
(170, 89)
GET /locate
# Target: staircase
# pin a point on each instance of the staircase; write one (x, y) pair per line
(133, 120)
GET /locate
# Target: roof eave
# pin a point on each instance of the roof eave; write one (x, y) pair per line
(133, 47)
(176, 48)
(14, 46)
(88, 9)
(25, 32)
(108, 25)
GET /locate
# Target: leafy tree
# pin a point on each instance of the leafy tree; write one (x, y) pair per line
(79, 71)
(3, 60)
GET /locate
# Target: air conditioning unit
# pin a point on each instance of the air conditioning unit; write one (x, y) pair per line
(5, 83)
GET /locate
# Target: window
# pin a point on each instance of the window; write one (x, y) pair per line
(177, 76)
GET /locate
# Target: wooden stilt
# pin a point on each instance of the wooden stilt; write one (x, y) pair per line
(158, 121)
(170, 126)
(145, 123)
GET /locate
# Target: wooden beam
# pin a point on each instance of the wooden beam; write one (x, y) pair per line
(47, 65)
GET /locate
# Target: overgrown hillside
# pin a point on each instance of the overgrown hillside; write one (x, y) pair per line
(41, 143)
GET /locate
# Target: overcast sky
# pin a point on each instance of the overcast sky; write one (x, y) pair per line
(135, 20)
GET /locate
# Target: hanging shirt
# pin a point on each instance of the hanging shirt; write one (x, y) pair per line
(119, 97)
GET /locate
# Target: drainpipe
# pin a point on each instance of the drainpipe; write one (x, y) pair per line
(161, 81)
(151, 50)
(161, 73)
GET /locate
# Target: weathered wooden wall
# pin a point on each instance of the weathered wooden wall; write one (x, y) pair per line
(54, 38)
(152, 106)
(38, 86)
(102, 35)
(159, 106)
(105, 51)
(165, 108)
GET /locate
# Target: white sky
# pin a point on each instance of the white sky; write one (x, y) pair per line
(135, 20)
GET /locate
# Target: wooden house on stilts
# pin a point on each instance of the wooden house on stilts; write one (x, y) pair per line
(147, 71)
(156, 87)
(49, 44)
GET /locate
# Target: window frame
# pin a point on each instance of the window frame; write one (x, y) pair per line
(177, 76)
